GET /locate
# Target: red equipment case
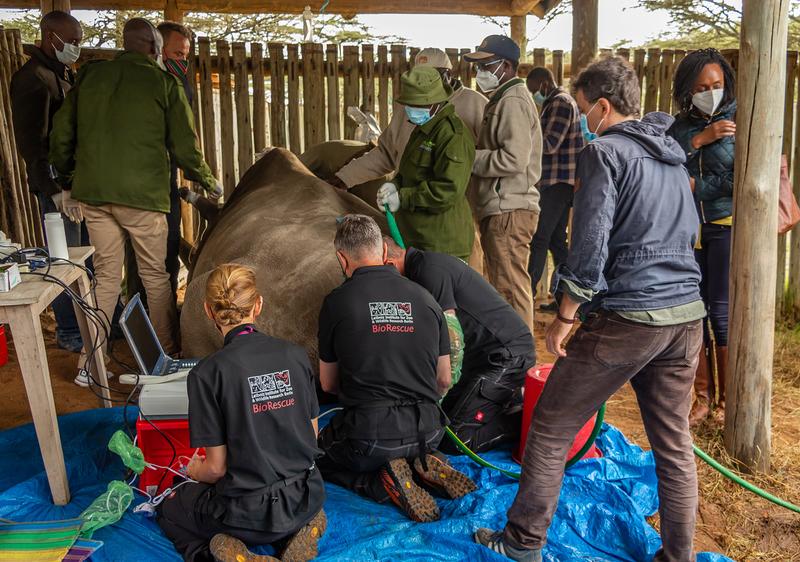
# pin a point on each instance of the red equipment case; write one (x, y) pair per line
(156, 449)
(3, 346)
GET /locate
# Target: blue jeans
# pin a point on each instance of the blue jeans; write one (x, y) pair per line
(77, 235)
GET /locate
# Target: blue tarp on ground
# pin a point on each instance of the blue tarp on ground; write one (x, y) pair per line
(601, 516)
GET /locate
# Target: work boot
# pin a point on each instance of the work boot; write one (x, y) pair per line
(493, 540)
(225, 548)
(721, 353)
(443, 479)
(702, 390)
(398, 481)
(303, 544)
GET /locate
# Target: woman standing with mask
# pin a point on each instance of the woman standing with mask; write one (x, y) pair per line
(704, 90)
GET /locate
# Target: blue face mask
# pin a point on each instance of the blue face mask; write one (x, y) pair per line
(539, 98)
(418, 115)
(588, 135)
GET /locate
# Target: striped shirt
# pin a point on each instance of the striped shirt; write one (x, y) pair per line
(562, 138)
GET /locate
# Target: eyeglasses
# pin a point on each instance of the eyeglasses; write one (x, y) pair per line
(488, 65)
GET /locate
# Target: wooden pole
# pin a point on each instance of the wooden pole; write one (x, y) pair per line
(584, 34)
(172, 12)
(48, 6)
(519, 33)
(762, 71)
(788, 124)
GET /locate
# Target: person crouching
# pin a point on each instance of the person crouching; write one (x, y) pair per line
(384, 349)
(253, 406)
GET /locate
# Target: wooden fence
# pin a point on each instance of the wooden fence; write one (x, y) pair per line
(253, 96)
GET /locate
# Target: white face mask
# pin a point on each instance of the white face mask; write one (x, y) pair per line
(708, 101)
(488, 81)
(69, 54)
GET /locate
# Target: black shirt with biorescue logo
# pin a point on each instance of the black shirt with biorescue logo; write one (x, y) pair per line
(386, 333)
(488, 321)
(256, 396)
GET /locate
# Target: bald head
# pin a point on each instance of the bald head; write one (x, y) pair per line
(141, 36)
(57, 29)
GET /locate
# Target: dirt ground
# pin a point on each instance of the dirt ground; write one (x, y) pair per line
(731, 520)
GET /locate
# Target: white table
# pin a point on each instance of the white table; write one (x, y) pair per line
(20, 309)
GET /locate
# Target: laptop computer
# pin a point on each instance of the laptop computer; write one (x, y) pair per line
(144, 344)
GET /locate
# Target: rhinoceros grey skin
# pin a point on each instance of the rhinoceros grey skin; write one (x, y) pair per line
(281, 221)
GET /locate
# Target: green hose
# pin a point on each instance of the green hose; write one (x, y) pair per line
(742, 482)
(393, 228)
(598, 425)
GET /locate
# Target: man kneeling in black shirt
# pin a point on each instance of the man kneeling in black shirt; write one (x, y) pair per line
(253, 406)
(384, 349)
(485, 403)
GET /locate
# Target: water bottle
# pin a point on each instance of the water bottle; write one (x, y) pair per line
(56, 237)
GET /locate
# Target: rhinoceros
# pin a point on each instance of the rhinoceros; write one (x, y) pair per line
(281, 221)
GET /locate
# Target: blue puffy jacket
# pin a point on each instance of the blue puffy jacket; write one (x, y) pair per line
(711, 166)
(634, 223)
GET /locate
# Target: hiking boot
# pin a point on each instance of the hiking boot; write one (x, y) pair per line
(303, 544)
(443, 479)
(225, 548)
(398, 481)
(493, 540)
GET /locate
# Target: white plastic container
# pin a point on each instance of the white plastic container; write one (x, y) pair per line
(56, 237)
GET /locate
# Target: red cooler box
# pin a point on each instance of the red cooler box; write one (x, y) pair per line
(155, 444)
(534, 384)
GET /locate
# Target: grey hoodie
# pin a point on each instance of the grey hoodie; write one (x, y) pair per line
(634, 223)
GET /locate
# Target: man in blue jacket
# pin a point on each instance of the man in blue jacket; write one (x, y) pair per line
(631, 266)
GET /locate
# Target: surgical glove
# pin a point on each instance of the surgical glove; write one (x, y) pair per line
(388, 195)
(188, 195)
(457, 346)
(217, 192)
(71, 207)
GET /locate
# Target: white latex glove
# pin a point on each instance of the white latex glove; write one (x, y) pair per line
(217, 192)
(71, 207)
(388, 195)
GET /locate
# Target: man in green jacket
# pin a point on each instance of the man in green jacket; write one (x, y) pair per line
(429, 192)
(111, 145)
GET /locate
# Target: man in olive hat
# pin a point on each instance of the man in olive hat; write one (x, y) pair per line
(429, 192)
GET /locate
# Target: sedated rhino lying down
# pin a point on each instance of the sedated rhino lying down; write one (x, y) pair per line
(281, 221)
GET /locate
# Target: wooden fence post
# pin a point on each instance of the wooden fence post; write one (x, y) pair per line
(762, 66)
(539, 57)
(368, 78)
(207, 114)
(558, 66)
(666, 70)
(794, 242)
(788, 124)
(398, 68)
(639, 66)
(259, 98)
(466, 69)
(624, 54)
(226, 118)
(652, 85)
(313, 94)
(277, 94)
(244, 124)
(383, 85)
(332, 81)
(293, 77)
(351, 72)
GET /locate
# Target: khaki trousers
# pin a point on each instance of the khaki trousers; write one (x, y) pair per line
(506, 241)
(108, 227)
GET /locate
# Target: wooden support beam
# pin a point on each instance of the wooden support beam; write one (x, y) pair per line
(48, 6)
(584, 33)
(172, 12)
(519, 33)
(760, 93)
